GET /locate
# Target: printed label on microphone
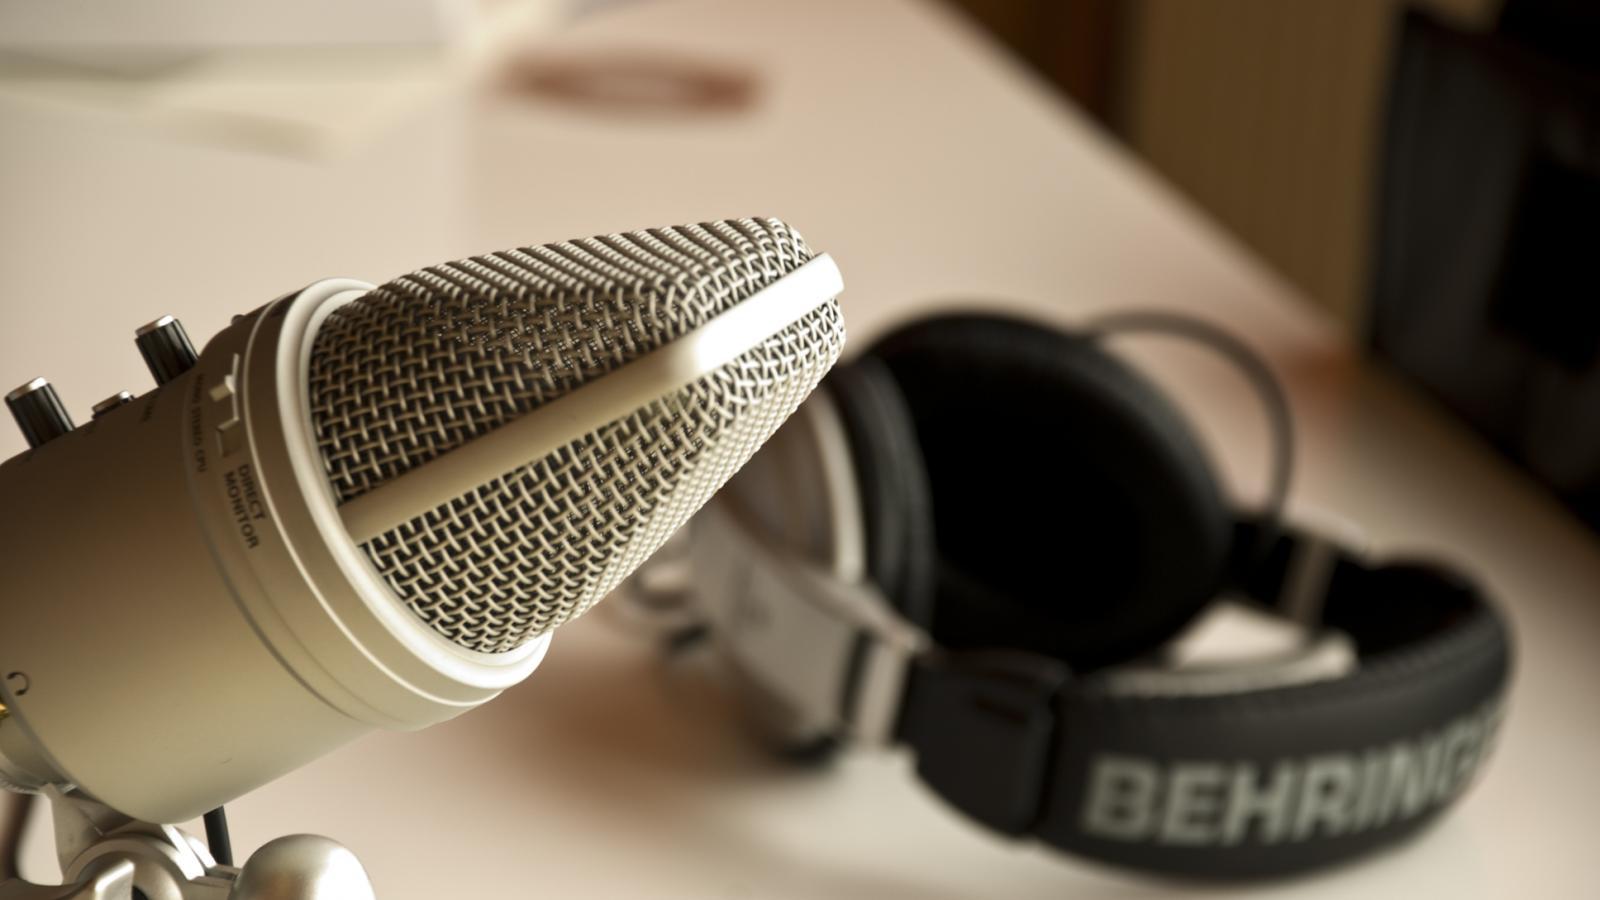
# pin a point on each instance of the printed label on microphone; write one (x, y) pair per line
(197, 445)
(245, 500)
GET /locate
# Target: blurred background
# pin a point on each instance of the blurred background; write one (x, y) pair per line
(1270, 115)
(1332, 137)
(1425, 171)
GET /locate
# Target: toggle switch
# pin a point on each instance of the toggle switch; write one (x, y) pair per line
(110, 403)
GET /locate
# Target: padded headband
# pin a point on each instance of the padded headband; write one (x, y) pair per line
(1252, 783)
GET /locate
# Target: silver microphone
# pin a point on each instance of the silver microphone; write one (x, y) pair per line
(365, 508)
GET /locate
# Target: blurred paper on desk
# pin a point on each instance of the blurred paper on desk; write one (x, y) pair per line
(295, 77)
(216, 24)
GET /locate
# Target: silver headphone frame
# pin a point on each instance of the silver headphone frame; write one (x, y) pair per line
(813, 637)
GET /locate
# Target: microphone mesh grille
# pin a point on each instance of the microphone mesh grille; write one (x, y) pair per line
(431, 360)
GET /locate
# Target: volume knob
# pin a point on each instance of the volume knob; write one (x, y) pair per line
(166, 348)
(39, 412)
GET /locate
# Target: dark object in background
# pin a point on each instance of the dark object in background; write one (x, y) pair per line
(1558, 29)
(1487, 278)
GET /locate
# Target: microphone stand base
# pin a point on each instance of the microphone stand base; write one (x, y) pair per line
(106, 855)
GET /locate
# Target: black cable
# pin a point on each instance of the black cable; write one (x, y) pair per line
(1256, 371)
(217, 837)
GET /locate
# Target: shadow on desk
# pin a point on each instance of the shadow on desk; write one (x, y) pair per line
(653, 754)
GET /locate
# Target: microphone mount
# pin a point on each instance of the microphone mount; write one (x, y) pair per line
(106, 855)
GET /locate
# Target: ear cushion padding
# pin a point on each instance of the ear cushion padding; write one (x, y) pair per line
(892, 482)
(1075, 513)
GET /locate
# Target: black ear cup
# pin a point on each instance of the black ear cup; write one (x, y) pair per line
(893, 484)
(1075, 515)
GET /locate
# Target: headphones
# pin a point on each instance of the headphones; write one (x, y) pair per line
(979, 539)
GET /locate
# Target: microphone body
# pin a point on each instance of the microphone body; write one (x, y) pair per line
(197, 600)
(180, 600)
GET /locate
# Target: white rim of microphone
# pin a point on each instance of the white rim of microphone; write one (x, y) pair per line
(490, 671)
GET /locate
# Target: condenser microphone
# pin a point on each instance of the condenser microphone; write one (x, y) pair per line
(365, 508)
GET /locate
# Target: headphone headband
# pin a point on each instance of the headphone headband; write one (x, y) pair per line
(1253, 783)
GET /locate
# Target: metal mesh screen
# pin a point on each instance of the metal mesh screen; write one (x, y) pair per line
(425, 363)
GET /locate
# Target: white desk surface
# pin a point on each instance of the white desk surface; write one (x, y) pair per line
(935, 171)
